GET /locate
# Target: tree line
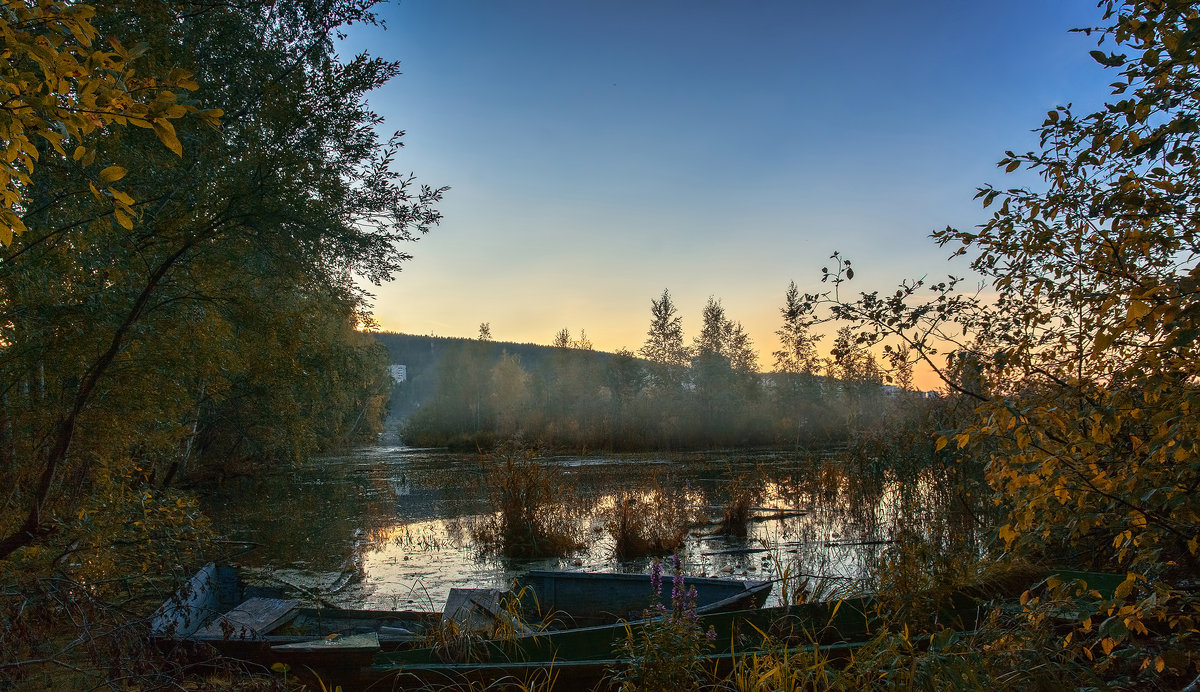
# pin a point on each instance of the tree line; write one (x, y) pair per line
(671, 394)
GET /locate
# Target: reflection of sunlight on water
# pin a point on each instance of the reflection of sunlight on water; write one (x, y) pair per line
(414, 564)
(402, 531)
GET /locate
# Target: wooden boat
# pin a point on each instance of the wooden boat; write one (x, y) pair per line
(256, 623)
(582, 657)
(594, 598)
(218, 609)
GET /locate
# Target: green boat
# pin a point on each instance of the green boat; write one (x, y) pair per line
(217, 608)
(582, 657)
(579, 599)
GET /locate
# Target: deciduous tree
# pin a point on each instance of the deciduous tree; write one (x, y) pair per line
(1085, 365)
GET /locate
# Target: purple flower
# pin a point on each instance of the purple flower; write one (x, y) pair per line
(656, 578)
(690, 604)
(677, 588)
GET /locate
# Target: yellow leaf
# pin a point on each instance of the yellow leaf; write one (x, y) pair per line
(124, 219)
(166, 134)
(942, 442)
(121, 197)
(111, 174)
(1107, 644)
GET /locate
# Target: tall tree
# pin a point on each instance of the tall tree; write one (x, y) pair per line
(137, 339)
(798, 346)
(1085, 365)
(664, 344)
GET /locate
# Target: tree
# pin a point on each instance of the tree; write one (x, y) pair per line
(59, 89)
(713, 330)
(562, 339)
(1085, 365)
(239, 267)
(798, 347)
(664, 344)
(724, 372)
(797, 363)
(485, 331)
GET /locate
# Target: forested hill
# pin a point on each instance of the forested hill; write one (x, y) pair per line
(422, 355)
(471, 393)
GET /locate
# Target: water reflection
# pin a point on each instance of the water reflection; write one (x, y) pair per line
(389, 527)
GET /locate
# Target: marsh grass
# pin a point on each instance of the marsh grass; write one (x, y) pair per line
(536, 512)
(652, 522)
(745, 490)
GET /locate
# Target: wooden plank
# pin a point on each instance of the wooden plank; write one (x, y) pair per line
(252, 619)
(193, 604)
(352, 642)
(479, 610)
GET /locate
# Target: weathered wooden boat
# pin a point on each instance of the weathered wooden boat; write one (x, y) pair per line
(582, 657)
(572, 599)
(217, 608)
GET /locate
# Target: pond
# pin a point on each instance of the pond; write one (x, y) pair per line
(390, 527)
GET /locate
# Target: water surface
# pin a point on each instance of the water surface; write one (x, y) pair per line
(390, 526)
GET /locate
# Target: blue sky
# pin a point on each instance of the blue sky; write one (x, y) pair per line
(599, 152)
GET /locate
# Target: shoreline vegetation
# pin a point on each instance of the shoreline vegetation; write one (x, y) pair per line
(185, 206)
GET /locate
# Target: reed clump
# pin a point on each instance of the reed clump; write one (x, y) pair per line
(536, 510)
(745, 490)
(654, 522)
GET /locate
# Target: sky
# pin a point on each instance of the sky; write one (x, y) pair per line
(601, 152)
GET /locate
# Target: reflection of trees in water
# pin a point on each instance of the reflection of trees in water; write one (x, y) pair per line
(821, 513)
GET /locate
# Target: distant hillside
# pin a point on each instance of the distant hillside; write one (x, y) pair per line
(421, 356)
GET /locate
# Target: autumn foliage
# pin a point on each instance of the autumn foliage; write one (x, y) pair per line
(1083, 359)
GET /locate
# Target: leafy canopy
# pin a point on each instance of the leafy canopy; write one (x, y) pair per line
(56, 87)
